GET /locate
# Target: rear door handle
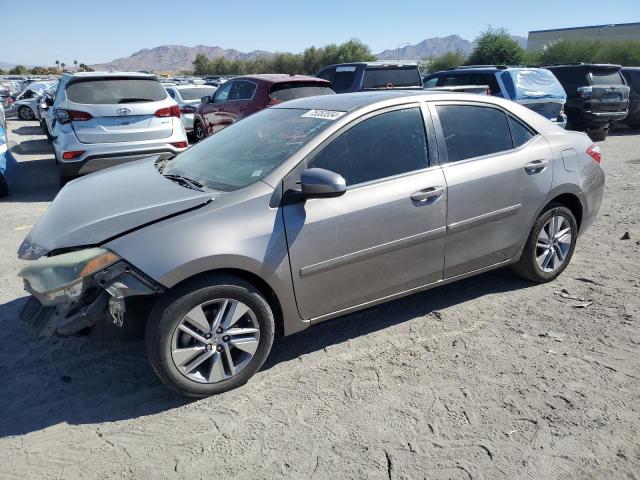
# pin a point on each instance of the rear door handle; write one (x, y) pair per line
(536, 166)
(427, 194)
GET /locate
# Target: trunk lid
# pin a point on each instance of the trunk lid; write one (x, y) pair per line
(122, 109)
(608, 90)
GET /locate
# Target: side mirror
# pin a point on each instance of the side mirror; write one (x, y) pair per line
(205, 99)
(321, 183)
(48, 101)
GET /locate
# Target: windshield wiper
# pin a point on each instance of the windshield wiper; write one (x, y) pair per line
(188, 182)
(133, 100)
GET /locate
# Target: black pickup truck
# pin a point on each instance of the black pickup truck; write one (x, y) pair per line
(360, 76)
(597, 95)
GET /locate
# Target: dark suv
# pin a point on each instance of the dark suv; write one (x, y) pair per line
(632, 76)
(597, 95)
(359, 76)
(240, 97)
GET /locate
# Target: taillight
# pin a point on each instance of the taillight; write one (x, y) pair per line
(594, 152)
(188, 109)
(585, 92)
(180, 144)
(172, 111)
(66, 116)
(72, 154)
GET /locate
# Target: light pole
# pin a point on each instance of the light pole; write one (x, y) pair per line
(400, 45)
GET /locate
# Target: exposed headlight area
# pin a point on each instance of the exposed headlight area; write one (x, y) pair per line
(75, 290)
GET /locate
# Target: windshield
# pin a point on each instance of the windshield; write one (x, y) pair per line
(116, 90)
(246, 151)
(195, 93)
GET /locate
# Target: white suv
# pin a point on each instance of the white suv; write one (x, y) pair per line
(105, 119)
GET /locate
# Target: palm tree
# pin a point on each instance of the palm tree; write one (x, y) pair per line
(63, 65)
(75, 63)
(57, 63)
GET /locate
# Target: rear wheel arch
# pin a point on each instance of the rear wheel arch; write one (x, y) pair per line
(572, 202)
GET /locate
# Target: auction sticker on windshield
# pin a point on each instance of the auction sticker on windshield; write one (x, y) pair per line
(324, 114)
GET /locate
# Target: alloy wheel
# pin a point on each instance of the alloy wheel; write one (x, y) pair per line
(215, 340)
(553, 244)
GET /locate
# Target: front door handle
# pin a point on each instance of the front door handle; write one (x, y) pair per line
(427, 194)
(536, 166)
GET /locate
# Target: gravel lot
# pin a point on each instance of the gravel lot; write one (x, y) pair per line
(488, 378)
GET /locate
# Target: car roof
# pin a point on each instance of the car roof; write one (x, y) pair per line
(108, 74)
(582, 65)
(346, 102)
(273, 78)
(189, 85)
(378, 63)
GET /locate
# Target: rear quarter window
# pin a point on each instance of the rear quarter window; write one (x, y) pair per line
(114, 91)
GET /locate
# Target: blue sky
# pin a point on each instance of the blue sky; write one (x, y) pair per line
(39, 32)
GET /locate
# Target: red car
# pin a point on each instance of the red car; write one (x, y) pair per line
(240, 97)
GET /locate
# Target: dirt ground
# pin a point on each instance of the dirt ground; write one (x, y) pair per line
(488, 378)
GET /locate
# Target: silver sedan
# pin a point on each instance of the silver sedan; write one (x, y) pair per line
(304, 212)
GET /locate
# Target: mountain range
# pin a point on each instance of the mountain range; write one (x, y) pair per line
(174, 58)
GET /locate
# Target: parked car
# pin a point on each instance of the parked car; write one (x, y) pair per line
(535, 88)
(6, 161)
(243, 96)
(303, 212)
(632, 76)
(104, 119)
(361, 76)
(6, 89)
(26, 103)
(597, 95)
(188, 97)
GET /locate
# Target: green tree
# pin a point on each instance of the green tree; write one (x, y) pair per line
(18, 70)
(2, 72)
(495, 46)
(445, 61)
(595, 51)
(40, 71)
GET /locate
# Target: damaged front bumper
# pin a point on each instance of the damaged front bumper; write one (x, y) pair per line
(89, 298)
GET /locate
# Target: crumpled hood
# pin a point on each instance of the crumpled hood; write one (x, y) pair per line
(103, 205)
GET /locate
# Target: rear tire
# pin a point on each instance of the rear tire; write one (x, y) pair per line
(598, 135)
(535, 253)
(209, 295)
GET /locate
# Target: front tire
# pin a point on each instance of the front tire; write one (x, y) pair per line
(25, 113)
(209, 335)
(550, 245)
(198, 131)
(598, 135)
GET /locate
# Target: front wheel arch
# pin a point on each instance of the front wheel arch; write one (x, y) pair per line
(262, 286)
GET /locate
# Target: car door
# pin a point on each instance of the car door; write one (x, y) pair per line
(385, 235)
(497, 170)
(240, 102)
(213, 113)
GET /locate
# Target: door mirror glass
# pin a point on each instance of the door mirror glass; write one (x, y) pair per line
(321, 183)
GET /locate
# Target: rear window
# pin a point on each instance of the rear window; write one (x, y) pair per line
(343, 79)
(606, 77)
(383, 77)
(195, 93)
(290, 91)
(117, 90)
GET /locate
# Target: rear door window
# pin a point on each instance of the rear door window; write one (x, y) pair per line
(486, 79)
(606, 77)
(290, 91)
(472, 131)
(387, 77)
(454, 80)
(388, 144)
(114, 91)
(343, 79)
(242, 90)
